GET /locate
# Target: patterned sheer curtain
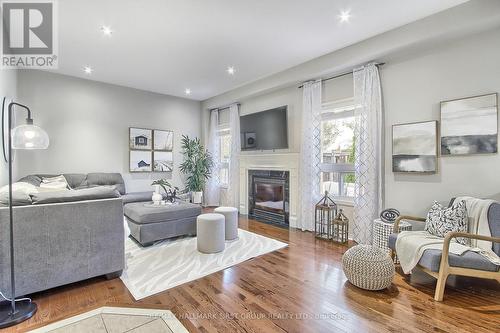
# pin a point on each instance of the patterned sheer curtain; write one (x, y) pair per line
(212, 189)
(368, 163)
(310, 155)
(233, 188)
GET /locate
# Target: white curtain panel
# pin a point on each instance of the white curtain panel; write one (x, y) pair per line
(310, 155)
(368, 164)
(233, 189)
(212, 189)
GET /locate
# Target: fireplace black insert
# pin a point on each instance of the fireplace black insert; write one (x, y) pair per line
(268, 196)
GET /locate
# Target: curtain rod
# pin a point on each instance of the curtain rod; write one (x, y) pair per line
(343, 74)
(225, 107)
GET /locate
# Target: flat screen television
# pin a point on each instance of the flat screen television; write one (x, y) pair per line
(265, 130)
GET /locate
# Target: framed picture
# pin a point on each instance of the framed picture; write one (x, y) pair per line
(140, 161)
(414, 147)
(163, 140)
(163, 161)
(469, 126)
(140, 138)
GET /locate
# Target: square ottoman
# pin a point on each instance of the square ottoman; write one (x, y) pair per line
(149, 223)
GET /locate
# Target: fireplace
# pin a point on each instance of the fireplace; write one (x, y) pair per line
(268, 196)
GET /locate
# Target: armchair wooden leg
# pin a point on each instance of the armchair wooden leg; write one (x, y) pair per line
(440, 286)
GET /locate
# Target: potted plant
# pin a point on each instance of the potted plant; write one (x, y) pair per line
(197, 165)
(170, 191)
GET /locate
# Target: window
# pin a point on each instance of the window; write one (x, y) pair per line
(224, 147)
(225, 154)
(338, 149)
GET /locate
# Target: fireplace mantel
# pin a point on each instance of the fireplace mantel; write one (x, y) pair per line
(276, 162)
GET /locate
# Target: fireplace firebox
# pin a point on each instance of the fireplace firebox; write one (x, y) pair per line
(269, 196)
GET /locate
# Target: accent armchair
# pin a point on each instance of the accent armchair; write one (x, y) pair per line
(441, 264)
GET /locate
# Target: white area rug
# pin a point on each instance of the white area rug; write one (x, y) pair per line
(168, 264)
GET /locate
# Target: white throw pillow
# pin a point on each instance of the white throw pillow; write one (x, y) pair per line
(54, 183)
(20, 194)
(442, 220)
(21, 187)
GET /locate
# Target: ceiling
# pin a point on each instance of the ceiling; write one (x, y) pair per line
(167, 46)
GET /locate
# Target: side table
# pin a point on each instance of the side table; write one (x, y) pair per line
(381, 232)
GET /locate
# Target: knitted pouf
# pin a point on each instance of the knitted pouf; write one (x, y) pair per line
(368, 267)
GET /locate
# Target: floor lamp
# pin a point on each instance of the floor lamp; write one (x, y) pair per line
(27, 136)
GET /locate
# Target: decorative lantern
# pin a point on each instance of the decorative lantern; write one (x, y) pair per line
(325, 212)
(340, 228)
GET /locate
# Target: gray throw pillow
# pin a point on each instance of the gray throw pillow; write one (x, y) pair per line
(442, 220)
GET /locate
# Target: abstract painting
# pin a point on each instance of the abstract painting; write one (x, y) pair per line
(414, 147)
(470, 126)
(163, 140)
(163, 161)
(140, 138)
(140, 161)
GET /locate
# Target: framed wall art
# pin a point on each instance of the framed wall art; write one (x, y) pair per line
(469, 126)
(140, 161)
(163, 140)
(151, 150)
(140, 138)
(414, 147)
(163, 161)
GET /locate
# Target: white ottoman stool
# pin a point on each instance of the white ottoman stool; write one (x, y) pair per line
(231, 216)
(210, 233)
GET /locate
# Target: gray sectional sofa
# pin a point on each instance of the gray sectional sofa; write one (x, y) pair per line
(78, 181)
(60, 243)
(67, 236)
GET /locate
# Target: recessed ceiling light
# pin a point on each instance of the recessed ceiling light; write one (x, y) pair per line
(345, 16)
(230, 70)
(88, 70)
(106, 30)
(187, 91)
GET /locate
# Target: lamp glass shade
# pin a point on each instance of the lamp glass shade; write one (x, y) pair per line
(29, 137)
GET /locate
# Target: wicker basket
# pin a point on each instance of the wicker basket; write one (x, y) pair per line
(368, 267)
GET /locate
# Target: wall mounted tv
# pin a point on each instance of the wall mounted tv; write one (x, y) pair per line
(265, 130)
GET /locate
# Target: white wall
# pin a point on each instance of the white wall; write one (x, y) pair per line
(8, 88)
(414, 81)
(466, 19)
(413, 85)
(88, 124)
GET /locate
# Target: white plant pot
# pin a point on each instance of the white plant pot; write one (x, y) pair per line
(157, 197)
(197, 197)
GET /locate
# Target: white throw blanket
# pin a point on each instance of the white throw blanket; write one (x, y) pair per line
(411, 245)
(477, 211)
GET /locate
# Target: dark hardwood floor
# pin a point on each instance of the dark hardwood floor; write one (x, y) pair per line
(300, 288)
